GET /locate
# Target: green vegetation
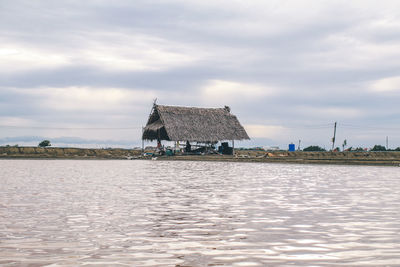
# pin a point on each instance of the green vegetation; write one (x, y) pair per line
(314, 148)
(378, 148)
(44, 143)
(357, 149)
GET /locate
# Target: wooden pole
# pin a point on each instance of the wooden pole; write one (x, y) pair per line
(142, 140)
(334, 137)
(233, 147)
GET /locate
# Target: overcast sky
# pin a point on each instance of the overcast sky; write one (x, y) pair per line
(288, 69)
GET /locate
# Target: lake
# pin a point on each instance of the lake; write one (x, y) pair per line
(160, 213)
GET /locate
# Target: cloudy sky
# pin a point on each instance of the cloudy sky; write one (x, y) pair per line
(86, 72)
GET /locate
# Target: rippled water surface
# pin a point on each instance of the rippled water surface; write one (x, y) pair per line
(153, 213)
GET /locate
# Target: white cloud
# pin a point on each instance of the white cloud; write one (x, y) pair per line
(390, 84)
(16, 121)
(16, 57)
(329, 113)
(350, 51)
(134, 52)
(88, 98)
(221, 91)
(264, 131)
(104, 50)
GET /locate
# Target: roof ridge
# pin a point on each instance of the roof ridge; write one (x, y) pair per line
(175, 106)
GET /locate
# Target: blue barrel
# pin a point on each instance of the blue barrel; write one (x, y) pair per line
(292, 147)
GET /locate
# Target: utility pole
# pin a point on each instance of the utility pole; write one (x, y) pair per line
(387, 142)
(298, 148)
(334, 137)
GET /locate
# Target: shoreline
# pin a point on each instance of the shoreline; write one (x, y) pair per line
(385, 158)
(290, 160)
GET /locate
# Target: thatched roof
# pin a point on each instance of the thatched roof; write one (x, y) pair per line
(193, 124)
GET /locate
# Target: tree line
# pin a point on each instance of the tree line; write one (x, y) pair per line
(358, 149)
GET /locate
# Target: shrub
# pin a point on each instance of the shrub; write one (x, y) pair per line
(44, 143)
(314, 148)
(378, 148)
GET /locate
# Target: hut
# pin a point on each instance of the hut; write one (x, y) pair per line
(192, 124)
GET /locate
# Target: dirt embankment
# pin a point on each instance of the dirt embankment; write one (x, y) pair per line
(66, 153)
(390, 158)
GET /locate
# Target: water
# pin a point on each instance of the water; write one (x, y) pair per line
(153, 213)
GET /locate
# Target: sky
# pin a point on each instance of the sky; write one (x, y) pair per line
(86, 73)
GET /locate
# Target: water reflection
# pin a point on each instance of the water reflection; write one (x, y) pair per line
(146, 213)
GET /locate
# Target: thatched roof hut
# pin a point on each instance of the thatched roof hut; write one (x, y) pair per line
(193, 124)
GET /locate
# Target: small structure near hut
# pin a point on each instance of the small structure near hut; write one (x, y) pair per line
(190, 124)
